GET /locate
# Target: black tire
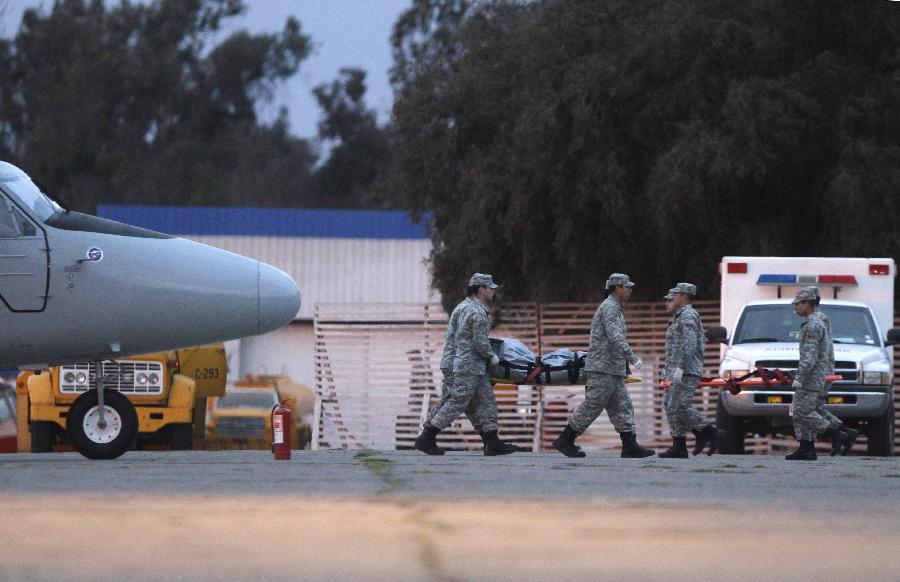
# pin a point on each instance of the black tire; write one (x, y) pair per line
(733, 443)
(42, 436)
(881, 434)
(122, 425)
(181, 437)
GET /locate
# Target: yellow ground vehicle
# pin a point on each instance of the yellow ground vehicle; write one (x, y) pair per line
(242, 418)
(166, 389)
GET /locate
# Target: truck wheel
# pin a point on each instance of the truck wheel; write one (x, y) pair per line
(42, 437)
(881, 434)
(733, 443)
(107, 442)
(181, 437)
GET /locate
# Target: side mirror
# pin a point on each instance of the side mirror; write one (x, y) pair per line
(893, 337)
(718, 334)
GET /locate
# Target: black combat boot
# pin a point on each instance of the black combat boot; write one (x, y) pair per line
(678, 450)
(838, 439)
(806, 452)
(852, 435)
(699, 441)
(631, 449)
(708, 436)
(493, 446)
(426, 443)
(565, 443)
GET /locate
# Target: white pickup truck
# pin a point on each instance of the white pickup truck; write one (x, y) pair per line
(857, 296)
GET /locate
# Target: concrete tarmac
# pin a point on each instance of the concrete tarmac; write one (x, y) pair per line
(401, 515)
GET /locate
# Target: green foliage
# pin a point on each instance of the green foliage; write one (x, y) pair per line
(360, 156)
(133, 104)
(557, 141)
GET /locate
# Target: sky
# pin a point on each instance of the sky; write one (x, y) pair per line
(345, 33)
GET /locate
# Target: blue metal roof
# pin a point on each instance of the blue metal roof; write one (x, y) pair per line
(290, 222)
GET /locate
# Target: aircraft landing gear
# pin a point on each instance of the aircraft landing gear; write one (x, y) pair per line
(102, 424)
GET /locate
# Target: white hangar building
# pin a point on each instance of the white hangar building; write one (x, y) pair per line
(335, 256)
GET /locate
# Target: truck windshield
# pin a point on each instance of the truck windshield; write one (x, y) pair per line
(261, 399)
(28, 194)
(779, 323)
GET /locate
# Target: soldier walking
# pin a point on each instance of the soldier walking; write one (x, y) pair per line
(606, 367)
(472, 411)
(684, 366)
(810, 388)
(471, 388)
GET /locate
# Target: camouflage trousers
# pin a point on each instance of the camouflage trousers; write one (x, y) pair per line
(472, 394)
(446, 391)
(810, 416)
(604, 391)
(680, 411)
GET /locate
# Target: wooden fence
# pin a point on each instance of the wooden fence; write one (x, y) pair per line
(378, 373)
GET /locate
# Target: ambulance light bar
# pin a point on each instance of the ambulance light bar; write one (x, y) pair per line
(830, 280)
(879, 269)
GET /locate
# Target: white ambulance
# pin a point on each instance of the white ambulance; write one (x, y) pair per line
(857, 296)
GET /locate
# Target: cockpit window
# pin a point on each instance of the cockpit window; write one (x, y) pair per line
(7, 220)
(30, 195)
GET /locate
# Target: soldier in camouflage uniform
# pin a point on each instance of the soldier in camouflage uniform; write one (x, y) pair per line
(606, 367)
(471, 388)
(684, 366)
(810, 388)
(472, 411)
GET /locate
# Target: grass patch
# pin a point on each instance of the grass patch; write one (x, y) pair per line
(720, 471)
(378, 466)
(850, 476)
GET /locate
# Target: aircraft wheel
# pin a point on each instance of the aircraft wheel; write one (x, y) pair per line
(181, 437)
(94, 441)
(41, 436)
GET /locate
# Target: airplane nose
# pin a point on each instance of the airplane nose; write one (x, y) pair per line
(279, 298)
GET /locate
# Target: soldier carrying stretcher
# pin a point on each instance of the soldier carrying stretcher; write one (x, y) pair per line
(685, 343)
(471, 389)
(606, 367)
(810, 388)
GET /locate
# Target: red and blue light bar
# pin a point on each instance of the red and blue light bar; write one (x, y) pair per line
(829, 280)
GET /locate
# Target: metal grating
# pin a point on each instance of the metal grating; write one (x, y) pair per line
(117, 375)
(240, 427)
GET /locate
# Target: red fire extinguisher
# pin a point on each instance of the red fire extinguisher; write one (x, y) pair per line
(281, 433)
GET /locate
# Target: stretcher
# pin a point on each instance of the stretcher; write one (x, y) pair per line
(518, 366)
(759, 378)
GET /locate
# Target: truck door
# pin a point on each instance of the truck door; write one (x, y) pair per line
(24, 260)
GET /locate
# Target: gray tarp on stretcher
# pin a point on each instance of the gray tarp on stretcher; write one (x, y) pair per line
(519, 366)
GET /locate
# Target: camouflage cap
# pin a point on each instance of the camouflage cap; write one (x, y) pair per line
(670, 295)
(807, 294)
(482, 280)
(686, 288)
(618, 279)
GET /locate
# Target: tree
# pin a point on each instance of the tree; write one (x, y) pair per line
(360, 153)
(132, 104)
(559, 141)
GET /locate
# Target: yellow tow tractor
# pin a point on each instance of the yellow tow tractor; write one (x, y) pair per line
(168, 389)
